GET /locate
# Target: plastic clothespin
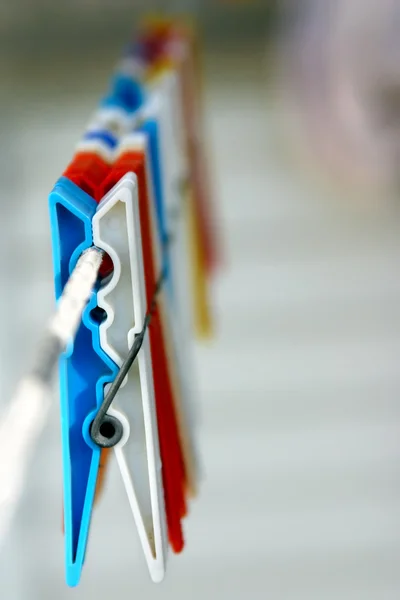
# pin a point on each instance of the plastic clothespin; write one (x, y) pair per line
(84, 371)
(116, 230)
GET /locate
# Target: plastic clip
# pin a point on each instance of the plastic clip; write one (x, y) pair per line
(116, 229)
(84, 371)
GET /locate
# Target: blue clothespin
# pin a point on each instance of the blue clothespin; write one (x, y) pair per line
(84, 371)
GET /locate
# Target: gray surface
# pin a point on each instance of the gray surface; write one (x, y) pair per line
(299, 391)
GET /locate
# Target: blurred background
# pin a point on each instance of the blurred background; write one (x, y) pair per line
(299, 390)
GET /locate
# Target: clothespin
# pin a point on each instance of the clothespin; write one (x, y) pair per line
(85, 369)
(117, 231)
(126, 193)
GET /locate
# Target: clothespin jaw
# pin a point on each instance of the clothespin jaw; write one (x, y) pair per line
(84, 371)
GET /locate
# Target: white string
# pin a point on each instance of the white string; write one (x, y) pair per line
(24, 418)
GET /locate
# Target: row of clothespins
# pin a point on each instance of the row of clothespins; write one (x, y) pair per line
(137, 188)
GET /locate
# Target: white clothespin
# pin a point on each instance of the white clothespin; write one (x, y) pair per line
(116, 230)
